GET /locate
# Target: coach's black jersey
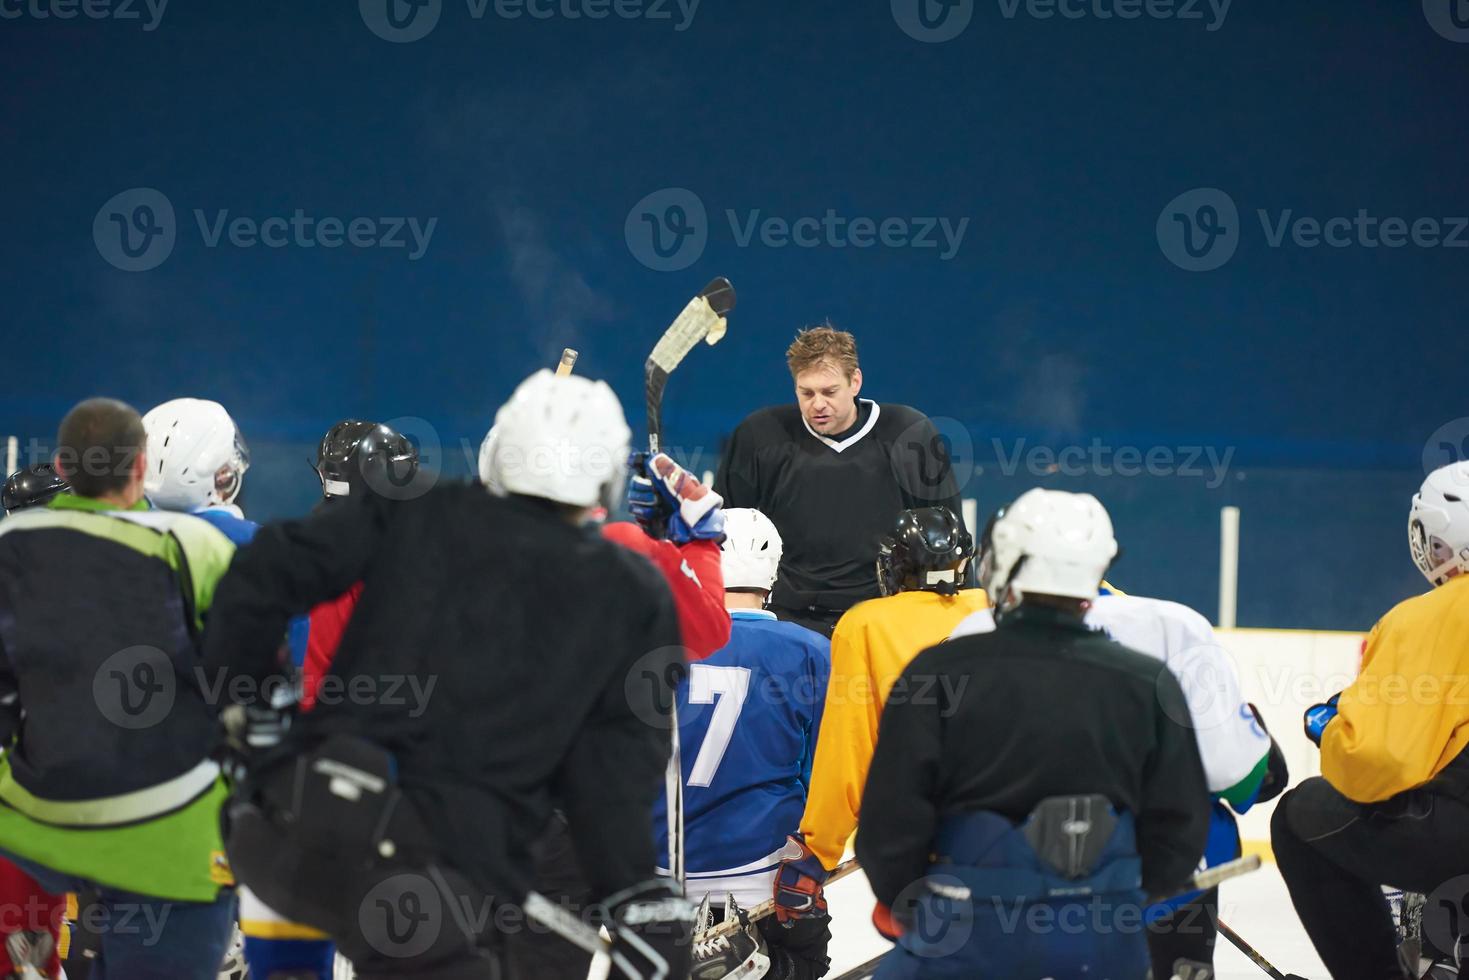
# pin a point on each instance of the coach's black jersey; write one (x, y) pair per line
(505, 657)
(832, 499)
(1041, 707)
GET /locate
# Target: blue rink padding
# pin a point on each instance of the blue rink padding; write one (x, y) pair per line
(992, 908)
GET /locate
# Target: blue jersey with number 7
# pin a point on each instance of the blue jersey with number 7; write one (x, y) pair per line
(748, 717)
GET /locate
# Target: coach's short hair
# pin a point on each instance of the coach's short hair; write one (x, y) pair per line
(96, 445)
(826, 343)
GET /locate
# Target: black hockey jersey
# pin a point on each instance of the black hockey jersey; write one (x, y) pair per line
(832, 499)
(506, 658)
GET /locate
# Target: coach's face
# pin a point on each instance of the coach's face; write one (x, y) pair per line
(828, 398)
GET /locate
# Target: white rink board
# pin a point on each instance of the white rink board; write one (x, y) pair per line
(1284, 672)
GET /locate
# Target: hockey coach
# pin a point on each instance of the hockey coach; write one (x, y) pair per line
(833, 471)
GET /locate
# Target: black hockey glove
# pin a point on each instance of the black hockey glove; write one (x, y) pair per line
(652, 928)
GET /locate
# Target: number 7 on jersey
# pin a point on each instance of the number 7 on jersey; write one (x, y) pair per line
(726, 688)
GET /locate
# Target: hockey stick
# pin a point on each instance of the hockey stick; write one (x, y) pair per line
(568, 361)
(1254, 954)
(702, 319)
(767, 907)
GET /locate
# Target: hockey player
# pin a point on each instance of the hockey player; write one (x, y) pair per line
(1391, 805)
(748, 718)
(1242, 764)
(354, 459)
(380, 825)
(832, 471)
(678, 529)
(197, 460)
(1039, 784)
(109, 784)
(921, 565)
(31, 486)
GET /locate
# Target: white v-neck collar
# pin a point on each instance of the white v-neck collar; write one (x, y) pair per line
(855, 437)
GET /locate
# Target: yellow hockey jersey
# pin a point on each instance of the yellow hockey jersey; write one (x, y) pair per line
(872, 643)
(1406, 716)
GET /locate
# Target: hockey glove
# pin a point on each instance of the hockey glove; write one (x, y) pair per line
(799, 883)
(1318, 716)
(652, 929)
(647, 506)
(695, 513)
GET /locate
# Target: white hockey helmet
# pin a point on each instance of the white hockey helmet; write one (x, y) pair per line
(561, 438)
(196, 455)
(1049, 542)
(750, 554)
(1438, 524)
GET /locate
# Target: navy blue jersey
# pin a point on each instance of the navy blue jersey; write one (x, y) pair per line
(233, 524)
(748, 717)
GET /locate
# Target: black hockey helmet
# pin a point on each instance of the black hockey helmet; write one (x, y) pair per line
(356, 457)
(32, 486)
(924, 543)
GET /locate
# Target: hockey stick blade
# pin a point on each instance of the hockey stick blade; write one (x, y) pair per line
(767, 907)
(702, 319)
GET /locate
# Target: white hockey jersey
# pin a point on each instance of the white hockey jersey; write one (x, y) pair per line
(1232, 743)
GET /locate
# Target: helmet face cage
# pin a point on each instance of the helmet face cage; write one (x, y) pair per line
(230, 477)
(1433, 555)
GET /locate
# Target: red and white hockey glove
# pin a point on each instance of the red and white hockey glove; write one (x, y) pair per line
(661, 487)
(800, 881)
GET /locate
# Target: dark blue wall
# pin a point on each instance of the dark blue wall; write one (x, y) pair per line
(1062, 316)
